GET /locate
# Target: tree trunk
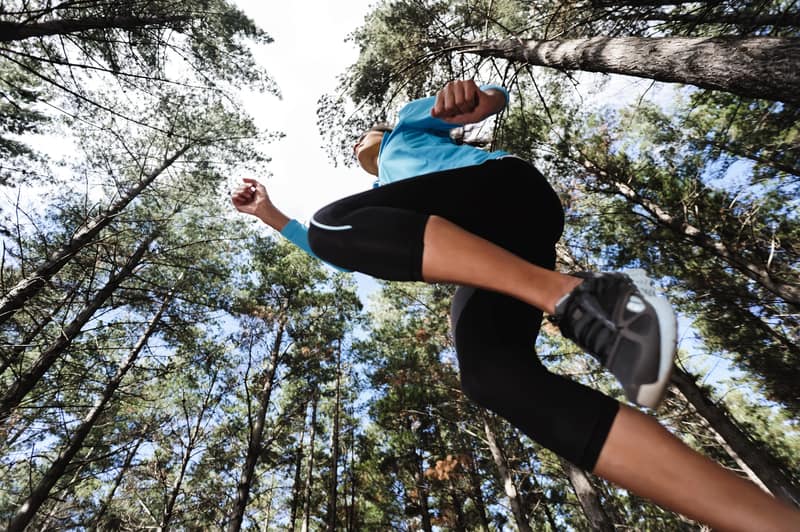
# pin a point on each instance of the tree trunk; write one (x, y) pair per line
(587, 497)
(97, 519)
(11, 31)
(351, 513)
(39, 493)
(422, 494)
(758, 460)
(22, 386)
(13, 356)
(739, 19)
(191, 444)
(510, 488)
(27, 288)
(333, 491)
(477, 493)
(297, 492)
(756, 67)
(254, 447)
(310, 477)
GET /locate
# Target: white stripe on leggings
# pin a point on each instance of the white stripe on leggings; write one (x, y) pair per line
(331, 227)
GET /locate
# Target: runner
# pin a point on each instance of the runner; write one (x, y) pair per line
(489, 222)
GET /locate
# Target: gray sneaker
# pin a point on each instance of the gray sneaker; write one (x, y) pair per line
(620, 319)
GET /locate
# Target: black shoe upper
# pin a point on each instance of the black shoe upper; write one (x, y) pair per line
(608, 317)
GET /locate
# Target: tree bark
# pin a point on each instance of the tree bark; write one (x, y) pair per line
(756, 67)
(297, 494)
(254, 447)
(191, 443)
(96, 521)
(333, 491)
(310, 477)
(510, 488)
(477, 493)
(27, 288)
(765, 467)
(22, 386)
(587, 497)
(12, 31)
(39, 493)
(422, 494)
(737, 19)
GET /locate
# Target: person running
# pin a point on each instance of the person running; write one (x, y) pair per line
(488, 222)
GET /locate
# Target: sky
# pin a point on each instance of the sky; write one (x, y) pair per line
(308, 53)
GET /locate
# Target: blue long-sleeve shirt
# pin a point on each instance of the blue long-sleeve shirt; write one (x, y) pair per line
(419, 144)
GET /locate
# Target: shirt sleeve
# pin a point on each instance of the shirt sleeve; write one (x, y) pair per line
(418, 112)
(297, 234)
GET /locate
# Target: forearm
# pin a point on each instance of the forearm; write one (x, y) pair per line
(273, 217)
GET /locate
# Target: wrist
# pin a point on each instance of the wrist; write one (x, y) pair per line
(273, 218)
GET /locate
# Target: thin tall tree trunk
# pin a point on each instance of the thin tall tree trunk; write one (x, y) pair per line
(97, 519)
(194, 435)
(297, 491)
(510, 488)
(22, 386)
(587, 497)
(351, 514)
(758, 460)
(254, 447)
(477, 493)
(756, 67)
(30, 506)
(332, 490)
(310, 477)
(27, 288)
(422, 494)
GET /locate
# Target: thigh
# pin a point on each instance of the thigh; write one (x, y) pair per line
(506, 201)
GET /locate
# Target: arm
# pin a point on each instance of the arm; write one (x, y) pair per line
(251, 198)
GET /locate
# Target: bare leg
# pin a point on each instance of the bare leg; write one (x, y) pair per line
(642, 456)
(455, 255)
(639, 454)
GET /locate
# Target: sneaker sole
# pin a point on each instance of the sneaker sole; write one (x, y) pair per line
(650, 395)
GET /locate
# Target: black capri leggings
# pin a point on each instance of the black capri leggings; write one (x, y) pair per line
(506, 201)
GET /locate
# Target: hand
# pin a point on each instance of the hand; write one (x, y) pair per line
(251, 198)
(462, 102)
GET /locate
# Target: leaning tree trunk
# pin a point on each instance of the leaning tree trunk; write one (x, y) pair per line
(254, 447)
(757, 67)
(27, 288)
(510, 488)
(12, 31)
(25, 383)
(39, 493)
(587, 497)
(758, 460)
